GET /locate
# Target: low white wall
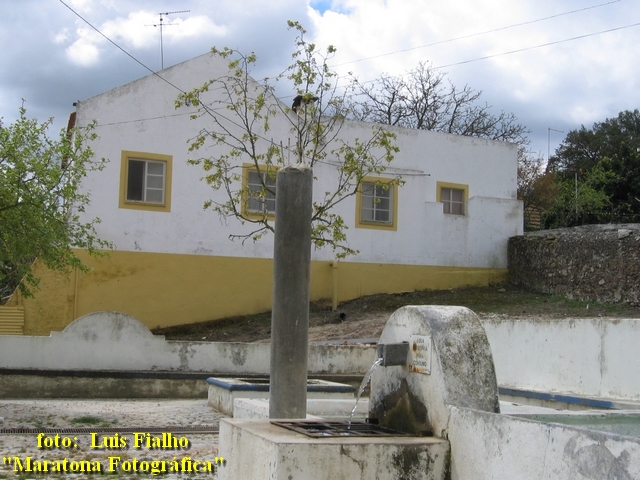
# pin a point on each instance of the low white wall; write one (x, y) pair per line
(493, 446)
(590, 357)
(115, 341)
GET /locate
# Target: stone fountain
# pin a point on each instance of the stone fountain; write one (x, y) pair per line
(432, 358)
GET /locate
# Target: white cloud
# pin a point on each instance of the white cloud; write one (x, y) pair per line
(561, 85)
(84, 6)
(137, 30)
(83, 52)
(570, 82)
(193, 27)
(62, 36)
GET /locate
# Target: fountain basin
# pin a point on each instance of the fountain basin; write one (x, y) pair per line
(223, 391)
(330, 409)
(260, 449)
(619, 423)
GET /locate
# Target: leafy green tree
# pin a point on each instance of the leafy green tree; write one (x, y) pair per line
(623, 185)
(582, 149)
(581, 199)
(40, 201)
(241, 112)
(607, 157)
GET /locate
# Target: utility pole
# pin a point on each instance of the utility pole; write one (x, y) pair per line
(161, 25)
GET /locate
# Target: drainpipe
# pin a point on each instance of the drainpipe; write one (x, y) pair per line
(75, 295)
(334, 290)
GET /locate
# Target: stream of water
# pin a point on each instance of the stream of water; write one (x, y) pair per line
(363, 386)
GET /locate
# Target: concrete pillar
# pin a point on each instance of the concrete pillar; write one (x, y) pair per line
(291, 272)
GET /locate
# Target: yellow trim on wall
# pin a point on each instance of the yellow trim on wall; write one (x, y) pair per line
(124, 173)
(459, 186)
(393, 226)
(212, 287)
(246, 168)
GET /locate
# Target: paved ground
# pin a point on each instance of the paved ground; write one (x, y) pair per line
(105, 418)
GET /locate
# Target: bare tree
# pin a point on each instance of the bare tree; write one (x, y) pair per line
(536, 187)
(425, 99)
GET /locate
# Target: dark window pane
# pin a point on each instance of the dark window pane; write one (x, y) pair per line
(384, 203)
(368, 189)
(376, 203)
(382, 216)
(256, 201)
(135, 180)
(452, 201)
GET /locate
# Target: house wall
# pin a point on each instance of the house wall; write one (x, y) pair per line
(163, 289)
(180, 266)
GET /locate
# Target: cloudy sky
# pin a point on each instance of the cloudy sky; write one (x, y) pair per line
(555, 64)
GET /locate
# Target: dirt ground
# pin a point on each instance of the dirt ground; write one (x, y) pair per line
(365, 317)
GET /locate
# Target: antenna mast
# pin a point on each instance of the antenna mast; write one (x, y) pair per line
(161, 24)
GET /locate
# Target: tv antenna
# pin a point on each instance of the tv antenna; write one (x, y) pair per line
(161, 24)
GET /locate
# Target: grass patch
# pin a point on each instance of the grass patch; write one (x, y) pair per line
(88, 420)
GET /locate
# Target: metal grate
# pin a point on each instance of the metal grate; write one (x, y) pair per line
(339, 429)
(88, 430)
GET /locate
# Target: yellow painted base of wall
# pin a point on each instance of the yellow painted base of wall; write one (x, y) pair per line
(169, 289)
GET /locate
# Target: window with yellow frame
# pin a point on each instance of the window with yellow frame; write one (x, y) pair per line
(259, 185)
(453, 197)
(145, 181)
(377, 204)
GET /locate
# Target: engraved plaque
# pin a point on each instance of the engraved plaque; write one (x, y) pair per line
(420, 354)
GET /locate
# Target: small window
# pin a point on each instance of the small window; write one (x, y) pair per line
(453, 201)
(145, 181)
(261, 191)
(376, 204)
(453, 198)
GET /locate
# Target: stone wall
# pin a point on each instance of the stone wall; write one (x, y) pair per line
(591, 262)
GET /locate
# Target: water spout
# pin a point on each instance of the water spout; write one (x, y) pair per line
(363, 386)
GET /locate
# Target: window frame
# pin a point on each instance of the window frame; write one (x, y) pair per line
(165, 205)
(247, 169)
(393, 210)
(453, 186)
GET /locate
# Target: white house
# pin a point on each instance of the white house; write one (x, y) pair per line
(174, 263)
